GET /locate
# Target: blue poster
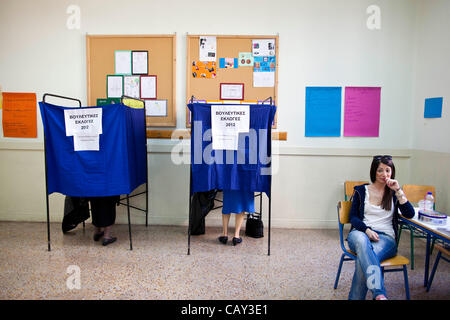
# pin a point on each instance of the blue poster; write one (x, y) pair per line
(323, 112)
(433, 108)
(264, 64)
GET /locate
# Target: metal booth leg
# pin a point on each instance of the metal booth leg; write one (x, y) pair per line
(129, 223)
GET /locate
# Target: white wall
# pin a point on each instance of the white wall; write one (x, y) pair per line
(322, 43)
(432, 74)
(431, 143)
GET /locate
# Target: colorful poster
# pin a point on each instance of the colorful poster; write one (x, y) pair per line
(323, 112)
(264, 64)
(263, 47)
(228, 63)
(19, 115)
(245, 59)
(205, 70)
(207, 48)
(433, 107)
(362, 111)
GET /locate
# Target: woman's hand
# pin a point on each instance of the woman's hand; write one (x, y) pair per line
(373, 236)
(393, 184)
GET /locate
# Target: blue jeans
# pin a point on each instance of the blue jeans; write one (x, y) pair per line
(368, 275)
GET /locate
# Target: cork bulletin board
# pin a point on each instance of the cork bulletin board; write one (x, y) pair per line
(100, 61)
(227, 46)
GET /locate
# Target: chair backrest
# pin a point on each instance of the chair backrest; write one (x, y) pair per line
(415, 193)
(348, 187)
(344, 211)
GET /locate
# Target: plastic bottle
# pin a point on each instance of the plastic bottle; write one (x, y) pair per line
(429, 202)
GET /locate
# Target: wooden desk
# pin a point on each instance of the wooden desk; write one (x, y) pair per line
(431, 230)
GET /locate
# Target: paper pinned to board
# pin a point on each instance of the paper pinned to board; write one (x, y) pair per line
(207, 48)
(264, 79)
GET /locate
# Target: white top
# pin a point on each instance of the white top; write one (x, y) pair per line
(377, 218)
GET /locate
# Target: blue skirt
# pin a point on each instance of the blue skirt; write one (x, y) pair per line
(236, 201)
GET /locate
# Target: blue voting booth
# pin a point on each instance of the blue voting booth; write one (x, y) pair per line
(247, 168)
(119, 165)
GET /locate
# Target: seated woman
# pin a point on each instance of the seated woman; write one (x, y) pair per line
(373, 235)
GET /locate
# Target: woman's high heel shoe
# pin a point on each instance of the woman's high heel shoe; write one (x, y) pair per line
(236, 241)
(223, 239)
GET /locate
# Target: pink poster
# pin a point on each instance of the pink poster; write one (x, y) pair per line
(362, 111)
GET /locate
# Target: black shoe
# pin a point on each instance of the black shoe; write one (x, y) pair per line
(97, 236)
(107, 241)
(223, 239)
(236, 241)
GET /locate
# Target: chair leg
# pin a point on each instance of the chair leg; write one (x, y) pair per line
(339, 271)
(405, 275)
(433, 271)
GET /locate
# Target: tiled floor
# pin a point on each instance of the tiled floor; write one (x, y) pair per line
(302, 265)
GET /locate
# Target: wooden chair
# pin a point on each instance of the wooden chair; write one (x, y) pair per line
(349, 186)
(414, 193)
(442, 250)
(343, 211)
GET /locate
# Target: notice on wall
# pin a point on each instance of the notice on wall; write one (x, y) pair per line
(207, 48)
(226, 124)
(323, 112)
(362, 111)
(156, 108)
(246, 59)
(131, 86)
(122, 62)
(19, 115)
(263, 79)
(206, 70)
(263, 47)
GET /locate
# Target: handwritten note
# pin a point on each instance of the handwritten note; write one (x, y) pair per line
(362, 111)
(19, 115)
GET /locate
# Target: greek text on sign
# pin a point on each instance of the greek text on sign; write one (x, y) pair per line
(230, 118)
(83, 121)
(226, 124)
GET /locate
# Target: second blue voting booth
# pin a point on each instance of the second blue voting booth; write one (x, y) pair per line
(118, 167)
(254, 176)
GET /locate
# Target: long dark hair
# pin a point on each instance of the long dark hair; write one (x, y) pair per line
(386, 202)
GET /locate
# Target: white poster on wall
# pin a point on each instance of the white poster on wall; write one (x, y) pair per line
(207, 48)
(263, 47)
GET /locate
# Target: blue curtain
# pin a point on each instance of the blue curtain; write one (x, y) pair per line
(248, 168)
(117, 168)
